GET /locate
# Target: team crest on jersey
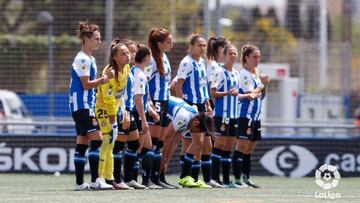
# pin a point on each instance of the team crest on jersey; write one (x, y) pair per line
(103, 124)
(180, 123)
(110, 91)
(94, 122)
(141, 86)
(83, 67)
(246, 83)
(148, 69)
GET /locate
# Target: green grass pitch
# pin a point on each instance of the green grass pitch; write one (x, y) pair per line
(50, 188)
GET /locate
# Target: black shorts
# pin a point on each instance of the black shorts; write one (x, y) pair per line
(137, 120)
(161, 107)
(200, 107)
(131, 128)
(84, 122)
(255, 129)
(226, 127)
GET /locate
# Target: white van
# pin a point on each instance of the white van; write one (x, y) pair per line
(14, 117)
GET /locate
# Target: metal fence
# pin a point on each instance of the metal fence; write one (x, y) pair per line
(286, 33)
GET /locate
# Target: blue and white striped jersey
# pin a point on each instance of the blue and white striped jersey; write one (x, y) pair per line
(159, 86)
(140, 85)
(129, 92)
(181, 113)
(195, 87)
(79, 98)
(224, 80)
(249, 82)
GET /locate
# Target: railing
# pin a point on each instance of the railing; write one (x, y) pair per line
(53, 126)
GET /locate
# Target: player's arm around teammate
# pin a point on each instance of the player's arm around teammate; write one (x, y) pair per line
(81, 102)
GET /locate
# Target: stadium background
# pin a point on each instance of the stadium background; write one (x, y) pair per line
(286, 33)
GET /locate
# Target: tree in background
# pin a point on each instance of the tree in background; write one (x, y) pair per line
(292, 17)
(271, 39)
(313, 24)
(271, 14)
(19, 17)
(256, 14)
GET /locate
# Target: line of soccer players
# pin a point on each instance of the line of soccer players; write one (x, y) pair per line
(134, 121)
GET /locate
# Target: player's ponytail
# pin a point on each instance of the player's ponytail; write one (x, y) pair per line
(158, 35)
(212, 47)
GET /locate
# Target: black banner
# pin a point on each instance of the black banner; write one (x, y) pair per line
(281, 157)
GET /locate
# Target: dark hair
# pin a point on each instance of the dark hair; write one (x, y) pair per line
(127, 42)
(141, 53)
(246, 50)
(212, 46)
(158, 35)
(85, 29)
(114, 47)
(206, 123)
(194, 38)
(227, 47)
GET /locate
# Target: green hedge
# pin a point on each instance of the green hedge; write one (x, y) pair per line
(24, 62)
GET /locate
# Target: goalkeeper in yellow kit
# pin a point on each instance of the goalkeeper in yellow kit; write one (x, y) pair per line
(108, 101)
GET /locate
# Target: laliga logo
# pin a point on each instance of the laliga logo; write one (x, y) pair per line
(327, 176)
(293, 161)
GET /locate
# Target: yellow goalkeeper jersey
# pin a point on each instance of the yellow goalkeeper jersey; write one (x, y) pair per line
(108, 95)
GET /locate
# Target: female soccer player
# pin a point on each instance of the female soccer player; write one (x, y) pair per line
(131, 45)
(159, 74)
(192, 86)
(81, 102)
(109, 98)
(224, 88)
(186, 118)
(249, 110)
(142, 106)
(215, 56)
